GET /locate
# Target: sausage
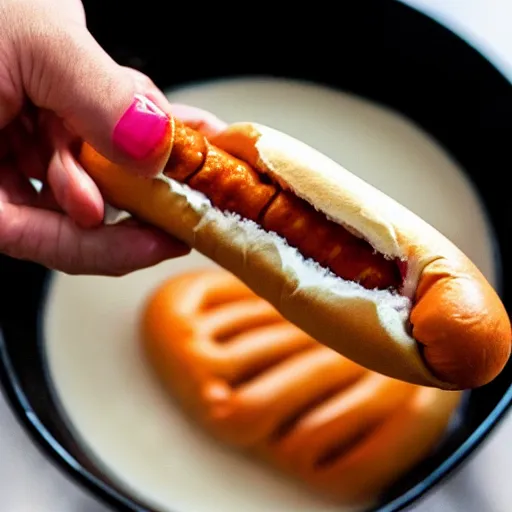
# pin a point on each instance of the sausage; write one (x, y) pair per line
(233, 186)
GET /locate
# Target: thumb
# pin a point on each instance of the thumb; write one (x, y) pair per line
(66, 71)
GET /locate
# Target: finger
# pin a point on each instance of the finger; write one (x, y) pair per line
(201, 120)
(53, 240)
(46, 200)
(72, 9)
(63, 69)
(73, 188)
(45, 124)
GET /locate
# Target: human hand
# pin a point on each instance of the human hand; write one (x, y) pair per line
(58, 85)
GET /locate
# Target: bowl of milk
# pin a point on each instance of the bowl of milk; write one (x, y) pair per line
(388, 93)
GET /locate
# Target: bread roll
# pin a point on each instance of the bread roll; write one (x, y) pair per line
(443, 325)
(257, 383)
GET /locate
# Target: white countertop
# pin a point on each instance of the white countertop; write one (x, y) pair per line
(28, 483)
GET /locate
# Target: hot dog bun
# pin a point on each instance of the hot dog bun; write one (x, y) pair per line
(446, 327)
(256, 382)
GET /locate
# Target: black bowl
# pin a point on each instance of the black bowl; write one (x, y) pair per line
(381, 50)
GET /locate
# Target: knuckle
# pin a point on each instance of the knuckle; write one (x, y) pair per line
(142, 80)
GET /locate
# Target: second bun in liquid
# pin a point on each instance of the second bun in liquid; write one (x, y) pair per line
(258, 383)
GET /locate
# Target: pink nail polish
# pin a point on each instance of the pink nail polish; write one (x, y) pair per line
(141, 129)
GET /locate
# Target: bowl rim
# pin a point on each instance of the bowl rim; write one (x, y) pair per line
(58, 456)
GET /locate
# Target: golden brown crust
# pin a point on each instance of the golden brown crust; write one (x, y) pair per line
(457, 316)
(255, 381)
(461, 323)
(374, 324)
(272, 274)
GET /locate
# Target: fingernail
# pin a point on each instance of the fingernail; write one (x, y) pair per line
(141, 129)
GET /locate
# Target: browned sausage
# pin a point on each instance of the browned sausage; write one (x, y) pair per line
(232, 185)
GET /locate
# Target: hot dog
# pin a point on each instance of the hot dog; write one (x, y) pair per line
(338, 258)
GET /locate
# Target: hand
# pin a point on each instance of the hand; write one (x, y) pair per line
(57, 85)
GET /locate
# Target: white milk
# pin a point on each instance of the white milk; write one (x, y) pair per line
(113, 400)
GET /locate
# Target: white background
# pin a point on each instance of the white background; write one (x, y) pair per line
(28, 483)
